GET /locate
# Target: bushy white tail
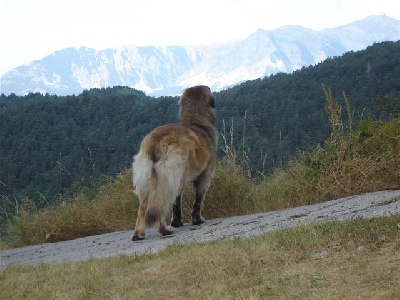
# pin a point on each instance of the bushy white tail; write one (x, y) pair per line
(159, 182)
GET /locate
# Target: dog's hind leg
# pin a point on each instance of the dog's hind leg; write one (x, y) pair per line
(140, 221)
(177, 212)
(163, 227)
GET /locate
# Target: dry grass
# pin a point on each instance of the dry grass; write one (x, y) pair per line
(230, 194)
(113, 209)
(354, 162)
(358, 259)
(363, 162)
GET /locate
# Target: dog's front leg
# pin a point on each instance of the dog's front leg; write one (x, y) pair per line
(201, 186)
(177, 212)
(197, 219)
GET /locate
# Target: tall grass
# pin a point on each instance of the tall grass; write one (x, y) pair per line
(112, 209)
(364, 158)
(353, 161)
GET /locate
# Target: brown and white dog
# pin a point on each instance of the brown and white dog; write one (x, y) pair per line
(171, 156)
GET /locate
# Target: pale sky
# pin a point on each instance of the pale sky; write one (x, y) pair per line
(33, 29)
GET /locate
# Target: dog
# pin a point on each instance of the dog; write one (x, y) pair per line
(173, 155)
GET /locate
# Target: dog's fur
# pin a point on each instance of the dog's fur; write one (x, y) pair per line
(172, 155)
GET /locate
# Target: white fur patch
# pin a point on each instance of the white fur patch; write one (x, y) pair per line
(142, 167)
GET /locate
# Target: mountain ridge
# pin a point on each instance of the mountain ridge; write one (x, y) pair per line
(167, 70)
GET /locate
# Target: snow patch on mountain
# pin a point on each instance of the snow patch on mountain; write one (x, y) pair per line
(167, 70)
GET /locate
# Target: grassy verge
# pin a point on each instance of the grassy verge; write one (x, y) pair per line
(349, 260)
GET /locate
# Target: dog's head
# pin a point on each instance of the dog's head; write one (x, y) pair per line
(198, 100)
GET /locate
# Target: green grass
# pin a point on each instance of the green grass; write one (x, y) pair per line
(335, 260)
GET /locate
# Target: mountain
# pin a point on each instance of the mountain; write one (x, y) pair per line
(166, 70)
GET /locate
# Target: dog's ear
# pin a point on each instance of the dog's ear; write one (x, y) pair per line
(212, 101)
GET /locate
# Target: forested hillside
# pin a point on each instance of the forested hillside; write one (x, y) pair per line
(52, 145)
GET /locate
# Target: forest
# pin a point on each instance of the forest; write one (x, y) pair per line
(52, 146)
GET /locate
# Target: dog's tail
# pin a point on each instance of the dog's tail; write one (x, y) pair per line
(158, 181)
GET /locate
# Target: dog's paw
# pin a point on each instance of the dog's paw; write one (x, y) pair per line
(176, 223)
(167, 231)
(198, 221)
(137, 238)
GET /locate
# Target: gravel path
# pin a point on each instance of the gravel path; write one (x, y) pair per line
(107, 245)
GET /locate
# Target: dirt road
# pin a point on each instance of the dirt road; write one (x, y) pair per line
(107, 245)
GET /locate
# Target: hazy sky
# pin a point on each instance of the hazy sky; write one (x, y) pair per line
(32, 29)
